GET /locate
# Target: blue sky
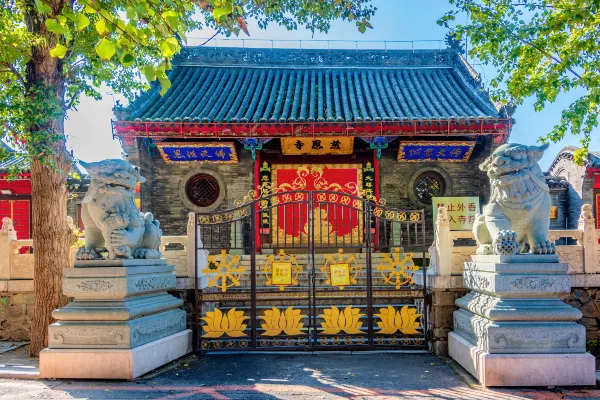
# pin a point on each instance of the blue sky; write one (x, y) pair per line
(89, 131)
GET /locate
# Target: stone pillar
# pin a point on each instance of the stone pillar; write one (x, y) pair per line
(587, 225)
(7, 235)
(444, 292)
(191, 245)
(443, 242)
(121, 324)
(513, 330)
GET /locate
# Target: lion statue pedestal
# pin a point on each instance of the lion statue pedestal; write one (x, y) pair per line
(512, 329)
(122, 322)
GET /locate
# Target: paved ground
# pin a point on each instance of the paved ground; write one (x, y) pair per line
(296, 377)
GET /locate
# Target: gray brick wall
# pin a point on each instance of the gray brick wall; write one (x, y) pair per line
(462, 179)
(161, 194)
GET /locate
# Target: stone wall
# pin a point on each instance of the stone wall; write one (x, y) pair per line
(442, 309)
(587, 300)
(559, 197)
(16, 310)
(462, 179)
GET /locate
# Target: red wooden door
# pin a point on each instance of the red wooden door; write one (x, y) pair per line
(18, 211)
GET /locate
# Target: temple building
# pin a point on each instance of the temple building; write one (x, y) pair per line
(583, 183)
(403, 126)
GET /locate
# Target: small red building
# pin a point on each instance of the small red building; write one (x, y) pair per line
(15, 194)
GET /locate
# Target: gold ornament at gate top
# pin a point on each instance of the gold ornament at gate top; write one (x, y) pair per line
(288, 321)
(219, 323)
(398, 268)
(267, 269)
(392, 320)
(224, 267)
(341, 258)
(337, 321)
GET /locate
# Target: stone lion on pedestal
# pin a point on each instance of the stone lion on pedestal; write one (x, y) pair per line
(111, 218)
(518, 213)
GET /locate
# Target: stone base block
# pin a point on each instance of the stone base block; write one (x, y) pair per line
(118, 310)
(520, 309)
(511, 337)
(115, 334)
(114, 363)
(523, 369)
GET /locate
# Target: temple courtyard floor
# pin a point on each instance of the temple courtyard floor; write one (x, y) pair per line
(291, 376)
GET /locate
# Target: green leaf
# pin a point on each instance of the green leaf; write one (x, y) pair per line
(53, 26)
(221, 12)
(105, 49)
(165, 84)
(130, 12)
(102, 29)
(81, 22)
(172, 18)
(127, 59)
(42, 7)
(59, 51)
(150, 73)
(169, 47)
(89, 10)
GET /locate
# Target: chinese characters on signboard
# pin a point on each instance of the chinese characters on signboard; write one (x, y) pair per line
(217, 153)
(461, 211)
(340, 274)
(282, 273)
(435, 151)
(317, 146)
(265, 182)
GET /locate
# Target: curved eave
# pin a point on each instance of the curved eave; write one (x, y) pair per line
(181, 129)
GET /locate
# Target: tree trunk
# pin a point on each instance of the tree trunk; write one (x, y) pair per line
(51, 237)
(51, 248)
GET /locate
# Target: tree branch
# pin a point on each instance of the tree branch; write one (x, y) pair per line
(525, 41)
(13, 70)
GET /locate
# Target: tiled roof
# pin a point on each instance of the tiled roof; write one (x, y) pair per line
(592, 161)
(15, 161)
(257, 85)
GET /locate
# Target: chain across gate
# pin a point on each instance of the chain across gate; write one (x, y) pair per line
(310, 270)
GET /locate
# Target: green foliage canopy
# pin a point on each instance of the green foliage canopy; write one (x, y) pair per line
(123, 44)
(540, 48)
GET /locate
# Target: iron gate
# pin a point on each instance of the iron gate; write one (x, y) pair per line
(310, 270)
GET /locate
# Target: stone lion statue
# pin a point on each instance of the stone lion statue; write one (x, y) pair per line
(111, 218)
(519, 209)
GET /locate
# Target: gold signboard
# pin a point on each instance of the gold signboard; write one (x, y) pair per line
(317, 146)
(282, 274)
(340, 274)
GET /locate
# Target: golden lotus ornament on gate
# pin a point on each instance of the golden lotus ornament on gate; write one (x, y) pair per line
(392, 320)
(219, 324)
(276, 322)
(336, 321)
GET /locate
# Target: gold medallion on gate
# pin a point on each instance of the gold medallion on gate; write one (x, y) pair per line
(339, 274)
(282, 274)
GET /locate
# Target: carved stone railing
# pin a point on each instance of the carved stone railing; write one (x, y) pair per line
(14, 262)
(448, 257)
(21, 264)
(176, 255)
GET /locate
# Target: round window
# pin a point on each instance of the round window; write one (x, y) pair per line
(202, 190)
(428, 185)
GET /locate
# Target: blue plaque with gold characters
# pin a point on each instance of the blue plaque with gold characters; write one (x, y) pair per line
(435, 151)
(214, 152)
